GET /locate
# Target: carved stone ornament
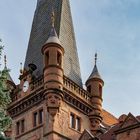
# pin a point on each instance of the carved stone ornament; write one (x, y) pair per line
(95, 123)
(63, 120)
(53, 102)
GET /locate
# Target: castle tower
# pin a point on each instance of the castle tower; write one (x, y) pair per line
(94, 87)
(53, 54)
(64, 29)
(50, 102)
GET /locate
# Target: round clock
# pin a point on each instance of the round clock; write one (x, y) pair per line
(25, 86)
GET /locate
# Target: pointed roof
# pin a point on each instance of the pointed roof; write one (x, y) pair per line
(53, 38)
(64, 28)
(6, 69)
(129, 120)
(95, 74)
(9, 78)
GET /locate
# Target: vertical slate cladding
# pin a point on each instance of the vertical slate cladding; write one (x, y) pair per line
(64, 27)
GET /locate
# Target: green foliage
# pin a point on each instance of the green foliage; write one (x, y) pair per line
(4, 93)
(5, 120)
(4, 138)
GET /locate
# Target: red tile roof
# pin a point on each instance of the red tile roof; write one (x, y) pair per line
(109, 119)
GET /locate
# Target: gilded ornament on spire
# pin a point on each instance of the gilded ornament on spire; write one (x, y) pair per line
(52, 17)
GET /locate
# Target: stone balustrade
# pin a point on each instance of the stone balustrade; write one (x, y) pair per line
(75, 89)
(37, 83)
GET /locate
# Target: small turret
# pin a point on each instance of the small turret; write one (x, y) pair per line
(10, 83)
(53, 71)
(94, 86)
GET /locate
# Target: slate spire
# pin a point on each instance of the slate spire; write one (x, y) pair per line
(64, 29)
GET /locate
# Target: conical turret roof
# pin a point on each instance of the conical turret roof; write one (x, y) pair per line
(95, 73)
(9, 78)
(7, 70)
(53, 38)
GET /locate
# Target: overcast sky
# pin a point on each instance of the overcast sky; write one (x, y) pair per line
(110, 27)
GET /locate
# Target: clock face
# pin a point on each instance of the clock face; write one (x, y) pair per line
(25, 86)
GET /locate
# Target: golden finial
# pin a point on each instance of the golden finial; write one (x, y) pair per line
(5, 61)
(53, 17)
(21, 70)
(95, 58)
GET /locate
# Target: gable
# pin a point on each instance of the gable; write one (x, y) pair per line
(129, 121)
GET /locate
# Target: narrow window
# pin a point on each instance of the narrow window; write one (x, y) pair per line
(100, 90)
(40, 116)
(35, 119)
(59, 58)
(47, 58)
(89, 88)
(22, 126)
(72, 121)
(78, 124)
(17, 128)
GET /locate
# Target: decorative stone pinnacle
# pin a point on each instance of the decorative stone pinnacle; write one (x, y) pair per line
(52, 17)
(21, 70)
(95, 58)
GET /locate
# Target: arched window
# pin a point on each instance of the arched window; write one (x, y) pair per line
(59, 59)
(100, 90)
(47, 58)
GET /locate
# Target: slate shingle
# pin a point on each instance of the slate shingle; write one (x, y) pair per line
(64, 27)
